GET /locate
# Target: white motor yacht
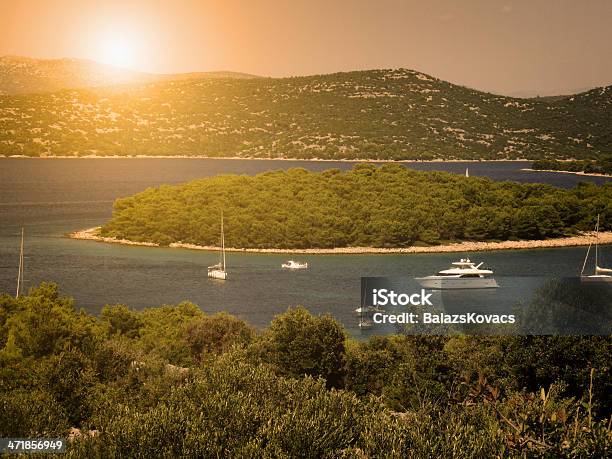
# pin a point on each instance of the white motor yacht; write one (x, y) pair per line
(463, 274)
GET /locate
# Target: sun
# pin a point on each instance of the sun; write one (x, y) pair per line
(117, 46)
(118, 50)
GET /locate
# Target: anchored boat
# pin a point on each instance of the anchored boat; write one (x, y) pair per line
(600, 274)
(294, 265)
(463, 274)
(218, 271)
(368, 309)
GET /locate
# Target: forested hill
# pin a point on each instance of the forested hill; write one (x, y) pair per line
(390, 206)
(377, 114)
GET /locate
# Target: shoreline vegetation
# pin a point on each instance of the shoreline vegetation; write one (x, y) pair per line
(585, 174)
(93, 234)
(601, 166)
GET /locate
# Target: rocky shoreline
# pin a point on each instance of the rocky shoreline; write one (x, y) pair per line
(92, 234)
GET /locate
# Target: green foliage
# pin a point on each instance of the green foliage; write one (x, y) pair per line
(217, 334)
(43, 323)
(269, 395)
(122, 321)
(298, 343)
(388, 206)
(376, 114)
(163, 332)
(238, 410)
(539, 361)
(31, 412)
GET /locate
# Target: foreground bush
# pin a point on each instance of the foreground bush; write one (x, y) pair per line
(173, 381)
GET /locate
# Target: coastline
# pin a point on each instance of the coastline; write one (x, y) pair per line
(252, 158)
(586, 174)
(90, 234)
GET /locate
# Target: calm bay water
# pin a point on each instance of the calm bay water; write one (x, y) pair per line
(53, 197)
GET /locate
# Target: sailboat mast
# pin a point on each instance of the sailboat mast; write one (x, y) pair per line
(20, 275)
(222, 242)
(596, 244)
(586, 258)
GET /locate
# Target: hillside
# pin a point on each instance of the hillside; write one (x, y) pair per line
(23, 75)
(377, 114)
(389, 206)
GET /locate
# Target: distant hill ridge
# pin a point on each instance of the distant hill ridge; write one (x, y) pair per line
(374, 114)
(23, 75)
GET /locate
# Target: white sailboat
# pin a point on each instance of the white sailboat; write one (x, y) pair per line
(218, 271)
(20, 275)
(600, 274)
(364, 323)
(467, 172)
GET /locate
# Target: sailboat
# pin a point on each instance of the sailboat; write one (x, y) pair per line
(218, 271)
(20, 275)
(364, 322)
(600, 274)
(467, 172)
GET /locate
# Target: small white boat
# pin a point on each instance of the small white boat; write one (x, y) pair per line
(294, 265)
(600, 274)
(218, 271)
(464, 274)
(368, 309)
(364, 324)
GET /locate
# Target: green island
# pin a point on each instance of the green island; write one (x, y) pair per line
(601, 166)
(385, 114)
(173, 381)
(368, 206)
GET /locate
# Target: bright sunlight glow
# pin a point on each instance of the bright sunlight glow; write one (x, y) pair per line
(119, 45)
(118, 51)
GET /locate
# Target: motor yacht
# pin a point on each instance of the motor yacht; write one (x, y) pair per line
(463, 274)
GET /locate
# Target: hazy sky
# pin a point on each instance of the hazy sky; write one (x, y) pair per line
(546, 46)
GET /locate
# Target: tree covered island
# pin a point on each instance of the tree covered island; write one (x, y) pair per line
(368, 206)
(602, 166)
